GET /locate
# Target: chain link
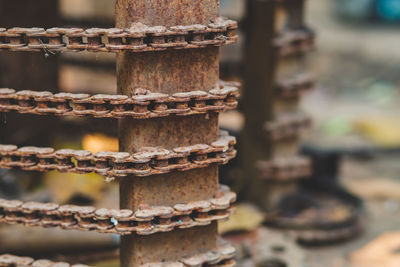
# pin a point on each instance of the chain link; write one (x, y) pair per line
(138, 38)
(148, 161)
(8, 260)
(222, 256)
(287, 126)
(294, 42)
(143, 106)
(290, 88)
(144, 221)
(285, 168)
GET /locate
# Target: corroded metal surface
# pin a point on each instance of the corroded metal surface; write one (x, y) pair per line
(178, 152)
(145, 162)
(169, 72)
(221, 256)
(144, 221)
(144, 105)
(8, 260)
(137, 38)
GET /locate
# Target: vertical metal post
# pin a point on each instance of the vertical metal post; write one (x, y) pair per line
(168, 72)
(264, 70)
(257, 93)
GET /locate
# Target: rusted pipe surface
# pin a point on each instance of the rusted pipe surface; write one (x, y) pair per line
(168, 72)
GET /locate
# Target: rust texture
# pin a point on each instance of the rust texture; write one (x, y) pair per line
(165, 12)
(143, 106)
(168, 72)
(143, 221)
(138, 38)
(144, 162)
(11, 260)
(275, 80)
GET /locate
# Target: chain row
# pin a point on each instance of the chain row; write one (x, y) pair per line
(293, 42)
(7, 260)
(144, 221)
(148, 161)
(222, 256)
(287, 126)
(290, 88)
(138, 38)
(285, 168)
(141, 106)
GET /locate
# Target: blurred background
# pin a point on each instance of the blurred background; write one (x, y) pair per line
(355, 108)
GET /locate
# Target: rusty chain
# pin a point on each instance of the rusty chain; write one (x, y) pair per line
(138, 38)
(294, 42)
(145, 104)
(285, 168)
(222, 256)
(287, 126)
(7, 260)
(148, 161)
(144, 221)
(289, 88)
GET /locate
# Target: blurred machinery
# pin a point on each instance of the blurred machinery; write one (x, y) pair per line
(292, 189)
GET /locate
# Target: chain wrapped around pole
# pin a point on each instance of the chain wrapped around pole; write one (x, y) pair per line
(137, 38)
(144, 221)
(146, 162)
(144, 105)
(171, 71)
(169, 96)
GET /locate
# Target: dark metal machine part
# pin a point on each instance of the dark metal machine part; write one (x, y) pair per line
(257, 95)
(268, 111)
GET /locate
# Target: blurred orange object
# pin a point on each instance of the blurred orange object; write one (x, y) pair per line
(380, 252)
(99, 142)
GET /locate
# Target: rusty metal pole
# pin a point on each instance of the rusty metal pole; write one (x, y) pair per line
(274, 81)
(257, 96)
(168, 72)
